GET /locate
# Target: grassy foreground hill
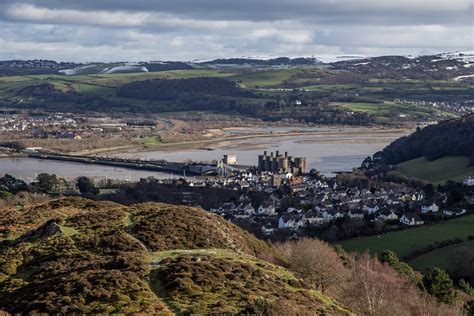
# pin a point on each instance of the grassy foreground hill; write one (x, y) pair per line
(78, 256)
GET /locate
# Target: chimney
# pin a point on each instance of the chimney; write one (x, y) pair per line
(265, 153)
(286, 154)
(276, 154)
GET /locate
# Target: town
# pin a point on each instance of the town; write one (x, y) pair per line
(279, 199)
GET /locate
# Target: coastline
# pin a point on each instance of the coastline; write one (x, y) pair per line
(342, 135)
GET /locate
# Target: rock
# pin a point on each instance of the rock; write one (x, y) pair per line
(50, 228)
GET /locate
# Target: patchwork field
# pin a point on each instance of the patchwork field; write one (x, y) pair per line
(437, 171)
(315, 85)
(406, 241)
(439, 257)
(388, 108)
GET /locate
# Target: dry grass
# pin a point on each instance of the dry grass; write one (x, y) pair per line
(98, 265)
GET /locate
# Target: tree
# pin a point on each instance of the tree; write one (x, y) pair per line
(429, 191)
(401, 268)
(461, 264)
(316, 262)
(438, 283)
(375, 288)
(315, 173)
(455, 195)
(367, 163)
(86, 186)
(48, 183)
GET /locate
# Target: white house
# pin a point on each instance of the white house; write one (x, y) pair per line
(246, 208)
(293, 210)
(266, 208)
(454, 211)
(468, 181)
(267, 230)
(313, 217)
(433, 208)
(371, 208)
(356, 214)
(330, 215)
(411, 220)
(291, 221)
(388, 215)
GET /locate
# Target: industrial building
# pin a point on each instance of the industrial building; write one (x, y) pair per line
(281, 163)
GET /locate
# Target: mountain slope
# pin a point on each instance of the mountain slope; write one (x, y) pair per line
(437, 171)
(79, 256)
(448, 138)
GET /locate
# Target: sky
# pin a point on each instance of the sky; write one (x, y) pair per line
(144, 30)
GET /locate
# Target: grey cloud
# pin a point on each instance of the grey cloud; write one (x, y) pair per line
(188, 29)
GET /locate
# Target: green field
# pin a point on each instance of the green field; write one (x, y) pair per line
(72, 91)
(406, 241)
(438, 258)
(390, 109)
(103, 84)
(263, 78)
(437, 171)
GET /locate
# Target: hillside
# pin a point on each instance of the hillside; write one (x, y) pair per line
(407, 242)
(448, 138)
(79, 256)
(49, 67)
(328, 95)
(435, 67)
(437, 171)
(170, 90)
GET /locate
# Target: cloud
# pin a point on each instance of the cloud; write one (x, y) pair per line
(190, 29)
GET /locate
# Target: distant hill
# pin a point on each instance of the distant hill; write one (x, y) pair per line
(50, 67)
(43, 90)
(169, 90)
(280, 61)
(79, 256)
(448, 138)
(456, 66)
(446, 66)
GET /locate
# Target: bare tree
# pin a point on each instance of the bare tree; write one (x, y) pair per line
(316, 262)
(374, 288)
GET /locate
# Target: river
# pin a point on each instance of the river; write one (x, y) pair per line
(328, 151)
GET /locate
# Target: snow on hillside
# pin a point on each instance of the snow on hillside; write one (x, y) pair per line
(76, 71)
(466, 57)
(128, 68)
(463, 77)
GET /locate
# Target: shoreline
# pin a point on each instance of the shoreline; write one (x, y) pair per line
(341, 135)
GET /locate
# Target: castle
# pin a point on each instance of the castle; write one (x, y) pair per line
(281, 163)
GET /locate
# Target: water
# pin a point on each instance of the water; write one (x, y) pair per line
(28, 168)
(328, 151)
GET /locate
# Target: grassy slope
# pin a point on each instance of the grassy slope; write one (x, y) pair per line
(103, 263)
(102, 85)
(388, 109)
(405, 241)
(437, 171)
(438, 258)
(105, 86)
(263, 78)
(198, 270)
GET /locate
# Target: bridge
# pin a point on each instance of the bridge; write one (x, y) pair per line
(149, 165)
